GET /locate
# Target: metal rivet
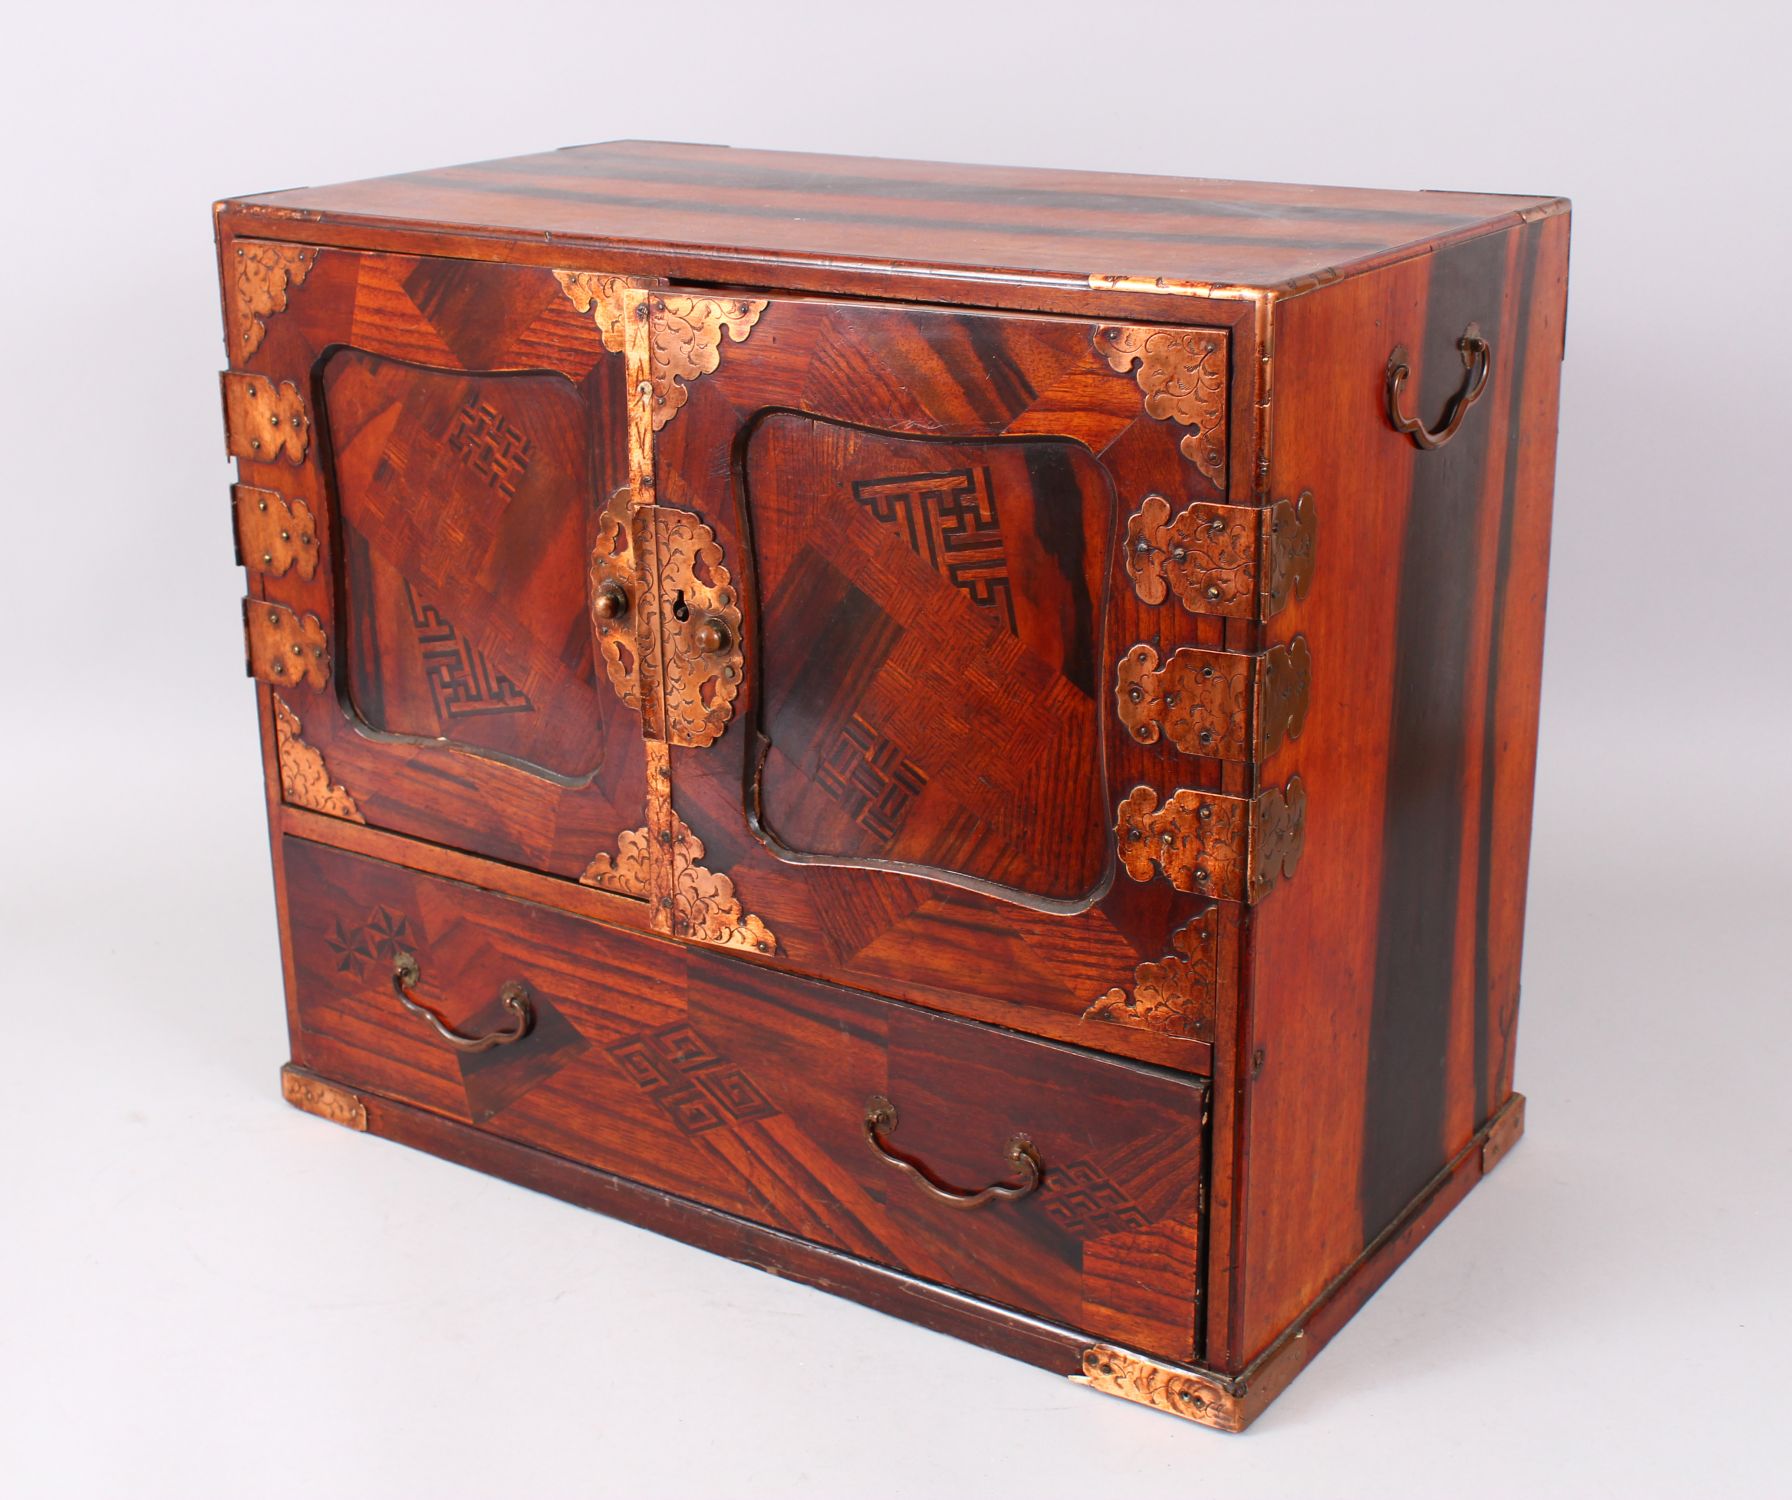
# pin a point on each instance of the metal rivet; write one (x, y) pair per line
(306, 538)
(273, 617)
(1136, 693)
(267, 559)
(1201, 875)
(297, 649)
(1206, 736)
(261, 505)
(286, 536)
(644, 388)
(665, 903)
(279, 669)
(1179, 553)
(254, 442)
(1205, 814)
(251, 390)
(1207, 671)
(1213, 591)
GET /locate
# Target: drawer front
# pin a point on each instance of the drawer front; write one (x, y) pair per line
(749, 1091)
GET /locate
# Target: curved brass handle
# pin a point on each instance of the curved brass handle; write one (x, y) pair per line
(1477, 360)
(880, 1114)
(406, 971)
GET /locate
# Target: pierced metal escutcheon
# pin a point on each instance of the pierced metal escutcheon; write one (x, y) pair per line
(406, 972)
(1477, 360)
(880, 1114)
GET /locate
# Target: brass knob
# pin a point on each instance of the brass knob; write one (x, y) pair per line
(611, 600)
(712, 637)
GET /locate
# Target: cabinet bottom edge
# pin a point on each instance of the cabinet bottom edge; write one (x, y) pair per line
(1210, 1398)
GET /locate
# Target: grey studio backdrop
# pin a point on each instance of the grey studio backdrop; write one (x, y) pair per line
(205, 1293)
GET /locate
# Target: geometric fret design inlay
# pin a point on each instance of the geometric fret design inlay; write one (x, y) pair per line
(491, 446)
(949, 519)
(868, 775)
(461, 679)
(1082, 1202)
(699, 1089)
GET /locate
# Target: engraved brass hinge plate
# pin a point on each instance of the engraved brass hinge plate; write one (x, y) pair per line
(692, 613)
(614, 594)
(274, 535)
(703, 903)
(1240, 561)
(1174, 997)
(1182, 1393)
(304, 779)
(1221, 704)
(1229, 848)
(264, 274)
(285, 648)
(264, 419)
(318, 1096)
(1182, 372)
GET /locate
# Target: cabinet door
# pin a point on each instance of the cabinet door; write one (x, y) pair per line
(427, 447)
(893, 601)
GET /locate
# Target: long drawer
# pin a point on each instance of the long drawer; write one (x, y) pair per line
(862, 1124)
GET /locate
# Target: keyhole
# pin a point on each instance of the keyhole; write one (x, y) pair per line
(680, 610)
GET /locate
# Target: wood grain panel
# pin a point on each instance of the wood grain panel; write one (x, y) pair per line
(854, 214)
(1376, 1003)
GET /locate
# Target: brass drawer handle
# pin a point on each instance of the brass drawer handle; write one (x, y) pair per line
(1477, 360)
(406, 972)
(880, 1114)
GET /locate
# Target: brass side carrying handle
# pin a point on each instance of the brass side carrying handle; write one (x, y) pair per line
(880, 1114)
(1477, 360)
(406, 971)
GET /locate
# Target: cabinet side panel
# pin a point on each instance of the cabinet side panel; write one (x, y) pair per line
(1384, 976)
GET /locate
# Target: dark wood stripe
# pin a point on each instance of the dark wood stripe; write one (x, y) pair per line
(759, 177)
(984, 228)
(1423, 826)
(1484, 833)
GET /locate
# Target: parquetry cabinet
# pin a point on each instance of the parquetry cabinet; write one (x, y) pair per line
(965, 734)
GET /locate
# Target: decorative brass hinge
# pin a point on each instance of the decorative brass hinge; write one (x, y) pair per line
(1174, 997)
(1230, 848)
(263, 419)
(284, 647)
(1221, 704)
(1235, 560)
(1182, 372)
(1133, 1377)
(273, 534)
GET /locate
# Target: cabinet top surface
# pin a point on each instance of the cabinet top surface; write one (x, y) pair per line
(867, 213)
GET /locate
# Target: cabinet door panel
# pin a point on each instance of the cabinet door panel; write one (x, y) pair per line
(465, 426)
(916, 785)
(930, 652)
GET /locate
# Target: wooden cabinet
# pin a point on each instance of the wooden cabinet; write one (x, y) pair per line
(965, 734)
